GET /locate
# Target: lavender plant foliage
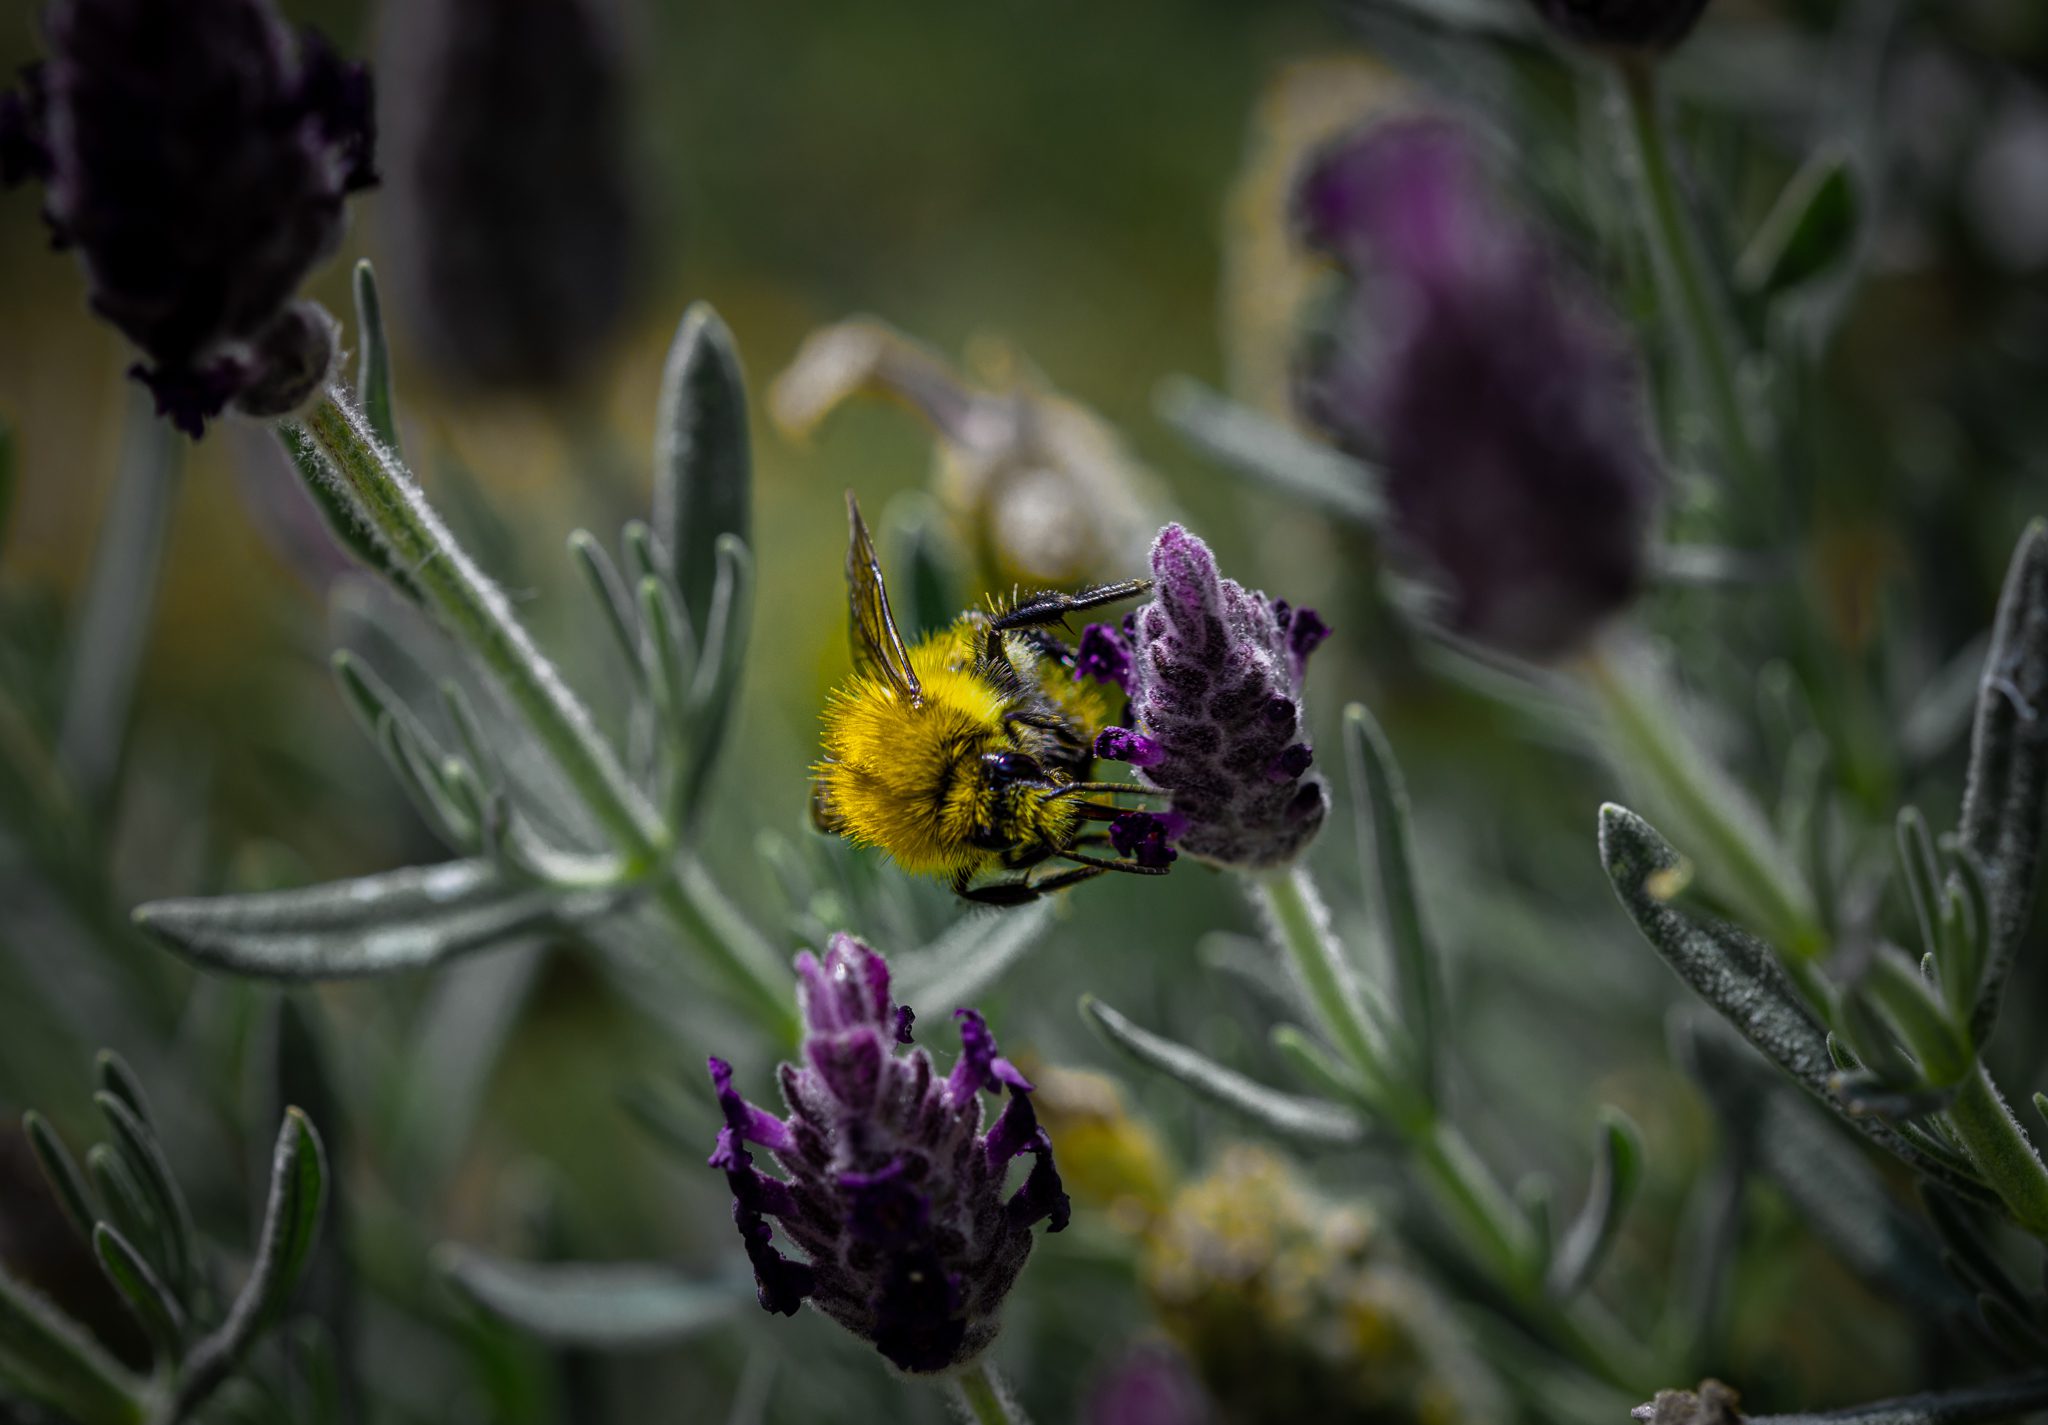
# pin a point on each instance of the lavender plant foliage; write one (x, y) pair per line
(895, 1194)
(515, 232)
(1214, 673)
(1504, 405)
(1623, 24)
(196, 156)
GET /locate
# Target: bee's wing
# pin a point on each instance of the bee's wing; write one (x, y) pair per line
(877, 646)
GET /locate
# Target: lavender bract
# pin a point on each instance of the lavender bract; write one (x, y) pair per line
(1214, 674)
(894, 1194)
(1505, 407)
(196, 156)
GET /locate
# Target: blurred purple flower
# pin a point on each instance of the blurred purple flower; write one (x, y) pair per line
(895, 1194)
(1148, 1385)
(196, 155)
(1505, 406)
(1623, 24)
(1214, 675)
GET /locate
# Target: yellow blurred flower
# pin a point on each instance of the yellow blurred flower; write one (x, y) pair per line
(1109, 1160)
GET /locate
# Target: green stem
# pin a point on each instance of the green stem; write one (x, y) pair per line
(1300, 924)
(977, 1391)
(1681, 277)
(1998, 1146)
(477, 613)
(1727, 838)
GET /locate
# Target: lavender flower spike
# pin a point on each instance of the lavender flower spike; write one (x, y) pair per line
(196, 156)
(894, 1194)
(1214, 674)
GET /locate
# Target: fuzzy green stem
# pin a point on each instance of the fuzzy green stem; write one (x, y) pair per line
(477, 613)
(1727, 839)
(1998, 1146)
(978, 1393)
(1681, 278)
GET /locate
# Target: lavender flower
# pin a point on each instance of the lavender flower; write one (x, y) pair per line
(1623, 24)
(196, 155)
(1504, 406)
(515, 229)
(1214, 676)
(894, 1194)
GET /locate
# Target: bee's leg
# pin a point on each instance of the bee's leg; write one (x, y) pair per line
(1023, 889)
(1129, 868)
(1040, 610)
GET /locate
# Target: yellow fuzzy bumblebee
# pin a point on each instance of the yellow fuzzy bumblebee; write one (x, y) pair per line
(971, 753)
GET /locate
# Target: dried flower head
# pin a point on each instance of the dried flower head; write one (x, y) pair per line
(1289, 1308)
(515, 222)
(196, 156)
(894, 1194)
(1623, 24)
(1214, 673)
(1040, 490)
(1712, 1404)
(1504, 405)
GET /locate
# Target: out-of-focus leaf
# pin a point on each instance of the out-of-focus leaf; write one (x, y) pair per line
(1241, 439)
(373, 362)
(376, 925)
(1307, 1120)
(8, 480)
(720, 664)
(609, 1306)
(60, 1169)
(969, 956)
(1978, 1405)
(1810, 229)
(118, 1079)
(124, 1203)
(1617, 1173)
(291, 1228)
(914, 541)
(351, 530)
(2003, 799)
(155, 1307)
(1480, 19)
(1381, 804)
(145, 1157)
(1737, 974)
(703, 467)
(46, 1357)
(609, 592)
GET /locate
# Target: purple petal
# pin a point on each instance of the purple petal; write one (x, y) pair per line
(1120, 744)
(780, 1283)
(1104, 656)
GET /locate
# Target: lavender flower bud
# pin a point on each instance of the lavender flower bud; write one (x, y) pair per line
(1214, 675)
(894, 1192)
(515, 226)
(1623, 24)
(196, 156)
(1505, 407)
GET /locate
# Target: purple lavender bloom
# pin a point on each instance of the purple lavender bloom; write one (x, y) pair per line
(1214, 675)
(196, 156)
(1623, 24)
(1504, 405)
(1151, 1384)
(894, 1193)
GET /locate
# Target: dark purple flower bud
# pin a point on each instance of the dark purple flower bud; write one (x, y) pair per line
(1215, 689)
(1504, 405)
(894, 1193)
(1146, 837)
(515, 225)
(1623, 24)
(196, 156)
(1103, 656)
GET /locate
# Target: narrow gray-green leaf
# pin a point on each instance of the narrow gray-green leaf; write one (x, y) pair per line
(1975, 1405)
(703, 467)
(1809, 230)
(349, 526)
(1617, 1173)
(373, 361)
(972, 954)
(145, 1157)
(1382, 813)
(116, 1078)
(376, 925)
(155, 1307)
(291, 1228)
(61, 1171)
(1739, 976)
(719, 669)
(1306, 1119)
(619, 1306)
(48, 1358)
(2007, 789)
(609, 592)
(125, 1203)
(1254, 445)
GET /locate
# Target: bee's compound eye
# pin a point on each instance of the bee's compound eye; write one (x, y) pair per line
(1012, 766)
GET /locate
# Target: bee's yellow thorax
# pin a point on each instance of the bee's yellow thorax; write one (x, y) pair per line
(907, 779)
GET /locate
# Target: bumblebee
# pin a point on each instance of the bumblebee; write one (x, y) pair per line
(970, 754)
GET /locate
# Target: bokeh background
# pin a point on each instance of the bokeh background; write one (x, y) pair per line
(1100, 187)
